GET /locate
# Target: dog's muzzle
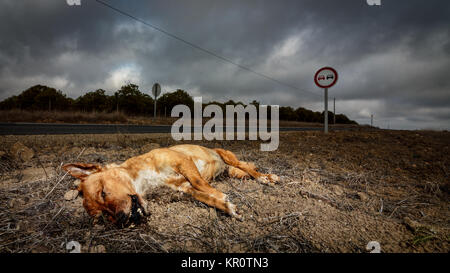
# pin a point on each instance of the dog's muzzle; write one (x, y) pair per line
(136, 215)
(137, 211)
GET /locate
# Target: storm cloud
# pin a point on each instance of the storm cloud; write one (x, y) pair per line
(393, 60)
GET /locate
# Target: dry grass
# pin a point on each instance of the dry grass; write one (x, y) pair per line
(114, 118)
(61, 117)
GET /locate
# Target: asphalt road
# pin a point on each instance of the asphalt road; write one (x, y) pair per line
(64, 129)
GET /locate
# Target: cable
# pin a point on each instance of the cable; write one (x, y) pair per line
(201, 49)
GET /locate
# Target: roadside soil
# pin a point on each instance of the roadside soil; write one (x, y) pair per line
(337, 193)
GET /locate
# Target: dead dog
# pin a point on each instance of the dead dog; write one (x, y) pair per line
(117, 190)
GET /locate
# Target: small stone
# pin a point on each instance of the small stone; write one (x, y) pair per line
(78, 202)
(98, 227)
(362, 196)
(411, 224)
(237, 248)
(90, 150)
(75, 151)
(21, 152)
(338, 190)
(11, 203)
(188, 244)
(370, 192)
(77, 182)
(14, 203)
(70, 195)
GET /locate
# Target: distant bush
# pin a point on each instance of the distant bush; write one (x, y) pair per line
(169, 100)
(38, 97)
(94, 101)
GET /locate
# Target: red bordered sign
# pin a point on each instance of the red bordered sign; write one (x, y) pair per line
(326, 77)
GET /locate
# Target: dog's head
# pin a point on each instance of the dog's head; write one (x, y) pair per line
(108, 190)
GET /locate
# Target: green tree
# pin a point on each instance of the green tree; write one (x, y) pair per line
(38, 97)
(170, 100)
(94, 101)
(132, 101)
(288, 113)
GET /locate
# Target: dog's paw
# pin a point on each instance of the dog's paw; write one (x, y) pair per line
(263, 179)
(224, 198)
(232, 210)
(273, 178)
(268, 179)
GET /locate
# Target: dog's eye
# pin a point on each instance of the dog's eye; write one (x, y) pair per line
(103, 194)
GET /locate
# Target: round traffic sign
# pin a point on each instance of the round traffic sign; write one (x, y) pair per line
(156, 90)
(326, 77)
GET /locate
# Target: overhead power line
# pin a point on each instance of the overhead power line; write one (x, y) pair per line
(201, 48)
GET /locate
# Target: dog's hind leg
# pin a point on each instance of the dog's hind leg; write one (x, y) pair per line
(237, 173)
(249, 168)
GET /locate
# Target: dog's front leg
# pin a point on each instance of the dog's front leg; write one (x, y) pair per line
(201, 190)
(188, 169)
(221, 204)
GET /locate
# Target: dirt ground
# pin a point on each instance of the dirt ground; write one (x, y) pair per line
(337, 193)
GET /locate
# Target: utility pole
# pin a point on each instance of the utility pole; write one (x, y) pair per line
(371, 120)
(117, 102)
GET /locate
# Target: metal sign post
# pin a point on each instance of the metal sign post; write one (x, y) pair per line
(156, 90)
(325, 78)
(326, 112)
(334, 111)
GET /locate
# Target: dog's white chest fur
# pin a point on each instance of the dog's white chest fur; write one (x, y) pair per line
(149, 178)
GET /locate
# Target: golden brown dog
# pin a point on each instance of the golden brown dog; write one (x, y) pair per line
(117, 190)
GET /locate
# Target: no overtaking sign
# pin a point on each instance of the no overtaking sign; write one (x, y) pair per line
(325, 78)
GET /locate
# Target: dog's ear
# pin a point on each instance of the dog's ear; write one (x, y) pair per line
(81, 170)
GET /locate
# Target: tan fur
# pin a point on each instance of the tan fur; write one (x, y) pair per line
(187, 168)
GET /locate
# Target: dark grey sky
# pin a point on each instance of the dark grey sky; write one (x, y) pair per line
(393, 60)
